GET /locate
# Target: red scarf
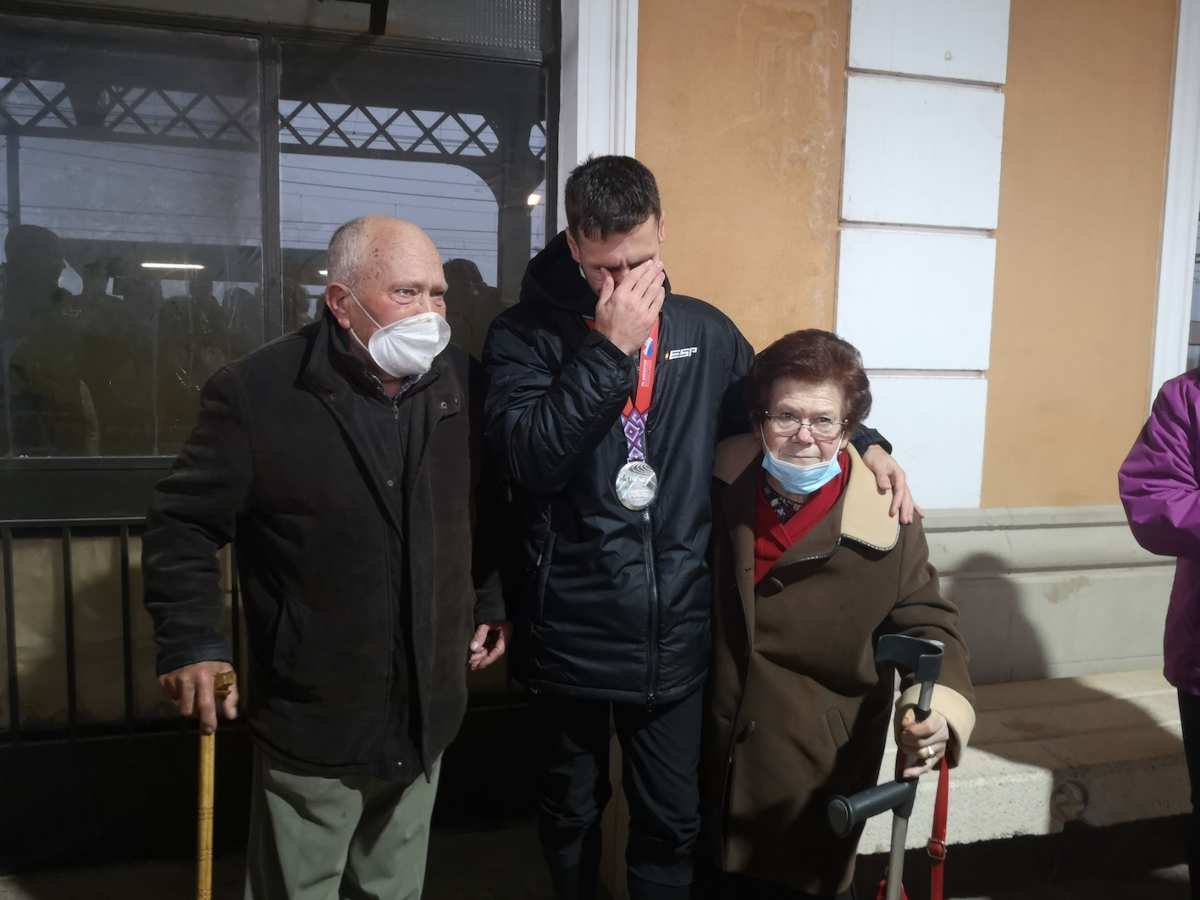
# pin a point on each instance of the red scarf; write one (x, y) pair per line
(772, 538)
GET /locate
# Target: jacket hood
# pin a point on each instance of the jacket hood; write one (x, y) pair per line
(553, 278)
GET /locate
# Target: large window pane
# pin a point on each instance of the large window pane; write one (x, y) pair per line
(132, 232)
(456, 146)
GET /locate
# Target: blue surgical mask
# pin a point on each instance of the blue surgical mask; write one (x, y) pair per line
(797, 479)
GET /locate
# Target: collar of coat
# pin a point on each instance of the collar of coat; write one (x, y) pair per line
(861, 515)
(331, 376)
(330, 368)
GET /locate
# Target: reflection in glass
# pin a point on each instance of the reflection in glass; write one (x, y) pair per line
(132, 248)
(458, 147)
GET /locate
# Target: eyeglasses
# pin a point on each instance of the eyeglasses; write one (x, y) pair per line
(785, 425)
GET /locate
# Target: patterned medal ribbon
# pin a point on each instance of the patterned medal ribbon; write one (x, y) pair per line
(637, 407)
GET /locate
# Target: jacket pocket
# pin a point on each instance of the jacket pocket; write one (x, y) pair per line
(542, 576)
(290, 632)
(837, 728)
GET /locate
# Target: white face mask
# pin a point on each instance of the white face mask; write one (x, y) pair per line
(406, 347)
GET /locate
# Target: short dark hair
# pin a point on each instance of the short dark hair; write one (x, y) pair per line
(610, 195)
(811, 355)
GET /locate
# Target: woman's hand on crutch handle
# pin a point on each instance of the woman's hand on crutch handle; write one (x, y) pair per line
(923, 743)
(191, 689)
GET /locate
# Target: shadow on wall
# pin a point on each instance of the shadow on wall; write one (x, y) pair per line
(1105, 738)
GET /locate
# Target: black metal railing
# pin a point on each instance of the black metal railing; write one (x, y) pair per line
(67, 532)
(67, 795)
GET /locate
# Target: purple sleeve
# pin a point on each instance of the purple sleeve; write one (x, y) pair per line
(1157, 481)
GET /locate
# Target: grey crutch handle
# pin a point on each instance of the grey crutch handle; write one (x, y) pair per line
(923, 659)
(846, 813)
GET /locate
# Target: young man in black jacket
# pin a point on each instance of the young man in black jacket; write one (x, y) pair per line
(342, 462)
(607, 394)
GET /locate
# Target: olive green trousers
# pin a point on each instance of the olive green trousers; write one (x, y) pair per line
(349, 838)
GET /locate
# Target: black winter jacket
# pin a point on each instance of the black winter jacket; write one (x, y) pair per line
(616, 603)
(352, 517)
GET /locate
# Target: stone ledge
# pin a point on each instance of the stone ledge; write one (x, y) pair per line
(1100, 749)
(1003, 541)
(1022, 517)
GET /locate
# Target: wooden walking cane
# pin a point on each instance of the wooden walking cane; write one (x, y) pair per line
(223, 683)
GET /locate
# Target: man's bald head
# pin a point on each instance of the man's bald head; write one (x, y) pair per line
(358, 248)
(382, 270)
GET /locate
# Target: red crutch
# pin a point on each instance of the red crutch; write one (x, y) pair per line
(923, 659)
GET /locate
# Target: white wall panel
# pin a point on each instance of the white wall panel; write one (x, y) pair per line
(1176, 265)
(922, 153)
(935, 425)
(916, 300)
(966, 39)
(598, 82)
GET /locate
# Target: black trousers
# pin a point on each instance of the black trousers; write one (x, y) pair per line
(739, 887)
(1189, 718)
(661, 755)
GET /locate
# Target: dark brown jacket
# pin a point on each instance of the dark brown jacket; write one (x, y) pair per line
(797, 710)
(351, 515)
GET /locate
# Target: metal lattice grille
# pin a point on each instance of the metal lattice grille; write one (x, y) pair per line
(27, 105)
(32, 103)
(155, 114)
(340, 126)
(181, 114)
(537, 140)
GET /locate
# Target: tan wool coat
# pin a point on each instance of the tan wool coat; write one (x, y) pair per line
(797, 711)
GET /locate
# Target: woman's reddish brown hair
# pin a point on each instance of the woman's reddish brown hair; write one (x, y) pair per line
(811, 355)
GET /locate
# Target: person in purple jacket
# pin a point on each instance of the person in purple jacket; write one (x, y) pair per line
(1160, 488)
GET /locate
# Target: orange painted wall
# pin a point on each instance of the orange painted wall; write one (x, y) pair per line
(741, 114)
(1086, 127)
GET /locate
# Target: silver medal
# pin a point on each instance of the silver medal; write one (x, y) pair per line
(637, 484)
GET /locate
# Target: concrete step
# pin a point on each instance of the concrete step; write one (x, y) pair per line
(1100, 749)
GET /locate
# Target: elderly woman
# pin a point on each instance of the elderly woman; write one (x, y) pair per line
(809, 572)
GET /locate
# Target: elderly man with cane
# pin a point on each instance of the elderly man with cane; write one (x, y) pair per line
(342, 463)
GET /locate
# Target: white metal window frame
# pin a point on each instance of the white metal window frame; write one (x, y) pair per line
(598, 98)
(1177, 260)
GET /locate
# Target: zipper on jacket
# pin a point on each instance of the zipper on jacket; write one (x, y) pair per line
(390, 707)
(652, 668)
(542, 577)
